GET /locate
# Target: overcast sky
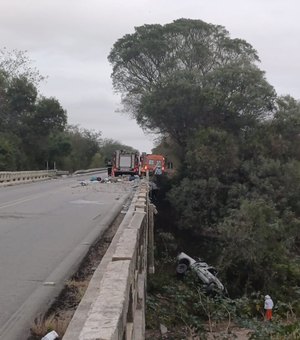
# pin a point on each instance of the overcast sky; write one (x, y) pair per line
(69, 40)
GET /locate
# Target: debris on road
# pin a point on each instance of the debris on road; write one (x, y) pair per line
(50, 336)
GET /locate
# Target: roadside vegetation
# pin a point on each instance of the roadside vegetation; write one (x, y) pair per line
(34, 132)
(235, 198)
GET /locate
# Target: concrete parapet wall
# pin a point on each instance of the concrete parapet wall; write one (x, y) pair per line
(17, 177)
(117, 307)
(106, 319)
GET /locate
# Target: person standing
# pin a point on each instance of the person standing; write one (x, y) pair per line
(109, 167)
(268, 307)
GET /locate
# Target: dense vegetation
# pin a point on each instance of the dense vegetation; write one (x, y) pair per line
(34, 133)
(238, 146)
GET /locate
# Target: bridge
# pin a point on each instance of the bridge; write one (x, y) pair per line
(113, 306)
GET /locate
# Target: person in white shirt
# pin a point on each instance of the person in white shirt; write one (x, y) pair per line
(268, 307)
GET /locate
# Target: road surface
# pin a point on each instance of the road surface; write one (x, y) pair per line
(45, 229)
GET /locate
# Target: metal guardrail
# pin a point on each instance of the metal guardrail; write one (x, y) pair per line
(14, 177)
(18, 177)
(113, 307)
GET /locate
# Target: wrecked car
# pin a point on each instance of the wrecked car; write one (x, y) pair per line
(206, 273)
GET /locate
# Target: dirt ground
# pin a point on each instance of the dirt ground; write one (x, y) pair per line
(62, 310)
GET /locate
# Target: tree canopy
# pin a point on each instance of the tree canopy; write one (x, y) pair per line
(237, 143)
(34, 133)
(189, 74)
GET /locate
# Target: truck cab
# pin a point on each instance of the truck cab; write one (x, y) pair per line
(154, 164)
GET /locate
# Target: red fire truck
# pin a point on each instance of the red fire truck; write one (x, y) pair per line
(125, 163)
(154, 164)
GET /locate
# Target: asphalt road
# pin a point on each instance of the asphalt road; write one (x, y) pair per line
(45, 229)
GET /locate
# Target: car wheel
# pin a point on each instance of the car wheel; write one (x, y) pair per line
(181, 268)
(210, 288)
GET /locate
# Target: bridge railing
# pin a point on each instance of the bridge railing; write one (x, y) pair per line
(113, 307)
(18, 177)
(13, 177)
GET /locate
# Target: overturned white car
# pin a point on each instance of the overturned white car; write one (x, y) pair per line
(207, 274)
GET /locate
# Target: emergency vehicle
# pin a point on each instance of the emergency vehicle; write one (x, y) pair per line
(154, 164)
(125, 163)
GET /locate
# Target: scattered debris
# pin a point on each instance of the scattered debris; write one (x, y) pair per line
(125, 178)
(95, 179)
(125, 208)
(50, 336)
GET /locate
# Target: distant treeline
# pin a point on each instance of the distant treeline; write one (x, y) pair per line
(34, 133)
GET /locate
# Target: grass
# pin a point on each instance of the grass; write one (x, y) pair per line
(43, 325)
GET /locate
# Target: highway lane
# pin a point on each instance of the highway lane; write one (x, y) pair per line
(45, 228)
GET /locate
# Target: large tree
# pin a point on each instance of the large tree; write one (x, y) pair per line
(48, 116)
(189, 74)
(84, 145)
(28, 121)
(240, 171)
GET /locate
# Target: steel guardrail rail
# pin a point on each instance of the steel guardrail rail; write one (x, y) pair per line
(17, 177)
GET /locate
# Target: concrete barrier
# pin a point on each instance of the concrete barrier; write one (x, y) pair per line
(113, 307)
(18, 177)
